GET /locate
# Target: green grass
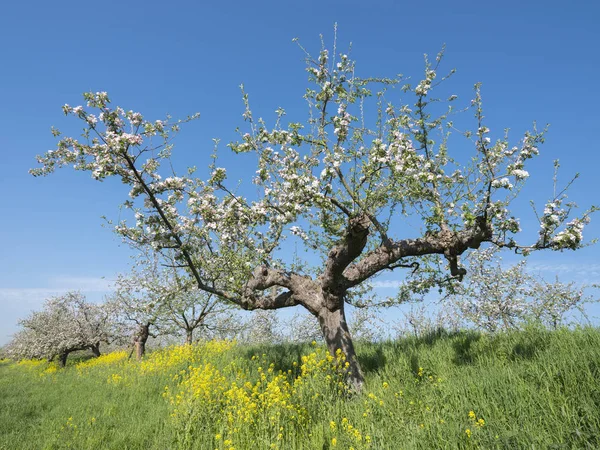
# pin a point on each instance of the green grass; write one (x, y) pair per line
(532, 389)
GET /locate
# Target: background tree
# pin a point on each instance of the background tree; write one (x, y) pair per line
(263, 327)
(132, 305)
(497, 297)
(303, 328)
(342, 183)
(196, 312)
(367, 324)
(157, 298)
(557, 302)
(416, 321)
(67, 323)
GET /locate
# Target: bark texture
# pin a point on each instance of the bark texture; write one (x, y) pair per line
(139, 340)
(337, 337)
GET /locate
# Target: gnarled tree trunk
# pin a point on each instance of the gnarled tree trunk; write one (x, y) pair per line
(64, 354)
(139, 340)
(337, 337)
(189, 336)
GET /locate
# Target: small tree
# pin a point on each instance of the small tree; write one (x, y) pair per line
(303, 328)
(555, 301)
(129, 306)
(367, 325)
(157, 298)
(67, 323)
(493, 298)
(341, 183)
(499, 298)
(263, 327)
(194, 311)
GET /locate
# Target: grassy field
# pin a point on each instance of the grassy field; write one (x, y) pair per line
(528, 389)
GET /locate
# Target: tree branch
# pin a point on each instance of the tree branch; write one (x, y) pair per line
(448, 243)
(186, 255)
(283, 300)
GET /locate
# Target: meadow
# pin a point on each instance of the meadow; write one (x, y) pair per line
(533, 388)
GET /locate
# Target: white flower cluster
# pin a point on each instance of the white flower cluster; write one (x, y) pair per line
(502, 183)
(425, 85)
(297, 231)
(520, 174)
(554, 215)
(341, 122)
(572, 236)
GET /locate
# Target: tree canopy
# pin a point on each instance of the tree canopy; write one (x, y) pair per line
(67, 323)
(339, 182)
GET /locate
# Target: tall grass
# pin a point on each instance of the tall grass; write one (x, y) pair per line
(524, 389)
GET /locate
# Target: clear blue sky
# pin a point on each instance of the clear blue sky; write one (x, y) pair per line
(537, 61)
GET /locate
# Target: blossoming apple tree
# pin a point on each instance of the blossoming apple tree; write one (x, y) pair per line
(341, 183)
(67, 323)
(500, 298)
(135, 310)
(161, 300)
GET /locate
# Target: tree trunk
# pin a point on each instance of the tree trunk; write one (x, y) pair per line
(62, 359)
(95, 350)
(189, 336)
(139, 340)
(337, 336)
(140, 350)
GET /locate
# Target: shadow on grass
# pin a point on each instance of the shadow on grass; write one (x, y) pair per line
(529, 345)
(467, 347)
(282, 356)
(470, 346)
(372, 360)
(428, 339)
(463, 348)
(524, 350)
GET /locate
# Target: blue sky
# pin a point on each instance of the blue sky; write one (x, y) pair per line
(537, 61)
